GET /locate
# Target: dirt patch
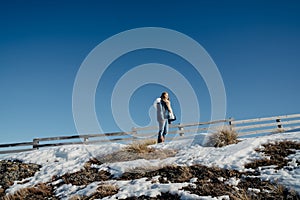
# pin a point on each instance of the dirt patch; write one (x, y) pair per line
(103, 190)
(15, 170)
(216, 182)
(85, 176)
(163, 196)
(276, 154)
(179, 174)
(173, 174)
(247, 188)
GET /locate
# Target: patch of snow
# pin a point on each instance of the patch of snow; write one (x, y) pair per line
(254, 190)
(233, 181)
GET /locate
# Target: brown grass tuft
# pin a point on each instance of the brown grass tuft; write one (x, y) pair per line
(278, 130)
(105, 190)
(141, 146)
(223, 136)
(41, 191)
(77, 197)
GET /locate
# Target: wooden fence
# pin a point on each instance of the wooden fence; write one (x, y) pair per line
(244, 128)
(275, 124)
(179, 131)
(65, 140)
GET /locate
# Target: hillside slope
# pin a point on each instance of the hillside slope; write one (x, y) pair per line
(238, 171)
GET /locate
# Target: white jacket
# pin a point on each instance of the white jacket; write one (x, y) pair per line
(161, 111)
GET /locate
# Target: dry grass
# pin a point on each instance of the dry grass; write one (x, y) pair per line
(162, 196)
(104, 190)
(276, 154)
(135, 151)
(209, 184)
(141, 146)
(173, 174)
(86, 176)
(77, 197)
(15, 170)
(123, 155)
(278, 130)
(224, 135)
(41, 191)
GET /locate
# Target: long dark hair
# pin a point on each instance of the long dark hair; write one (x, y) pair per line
(163, 95)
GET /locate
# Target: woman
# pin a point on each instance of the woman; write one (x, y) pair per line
(164, 110)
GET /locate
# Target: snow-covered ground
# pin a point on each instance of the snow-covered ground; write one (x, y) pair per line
(60, 160)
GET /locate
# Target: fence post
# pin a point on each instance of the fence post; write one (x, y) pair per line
(85, 139)
(134, 133)
(180, 128)
(35, 143)
(230, 123)
(279, 125)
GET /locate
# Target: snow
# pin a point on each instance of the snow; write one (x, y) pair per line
(233, 181)
(60, 160)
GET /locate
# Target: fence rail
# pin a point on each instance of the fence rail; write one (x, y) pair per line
(244, 128)
(273, 124)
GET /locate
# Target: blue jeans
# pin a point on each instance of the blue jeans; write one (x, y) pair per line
(163, 126)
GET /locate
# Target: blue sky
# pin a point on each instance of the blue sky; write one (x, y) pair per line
(254, 44)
